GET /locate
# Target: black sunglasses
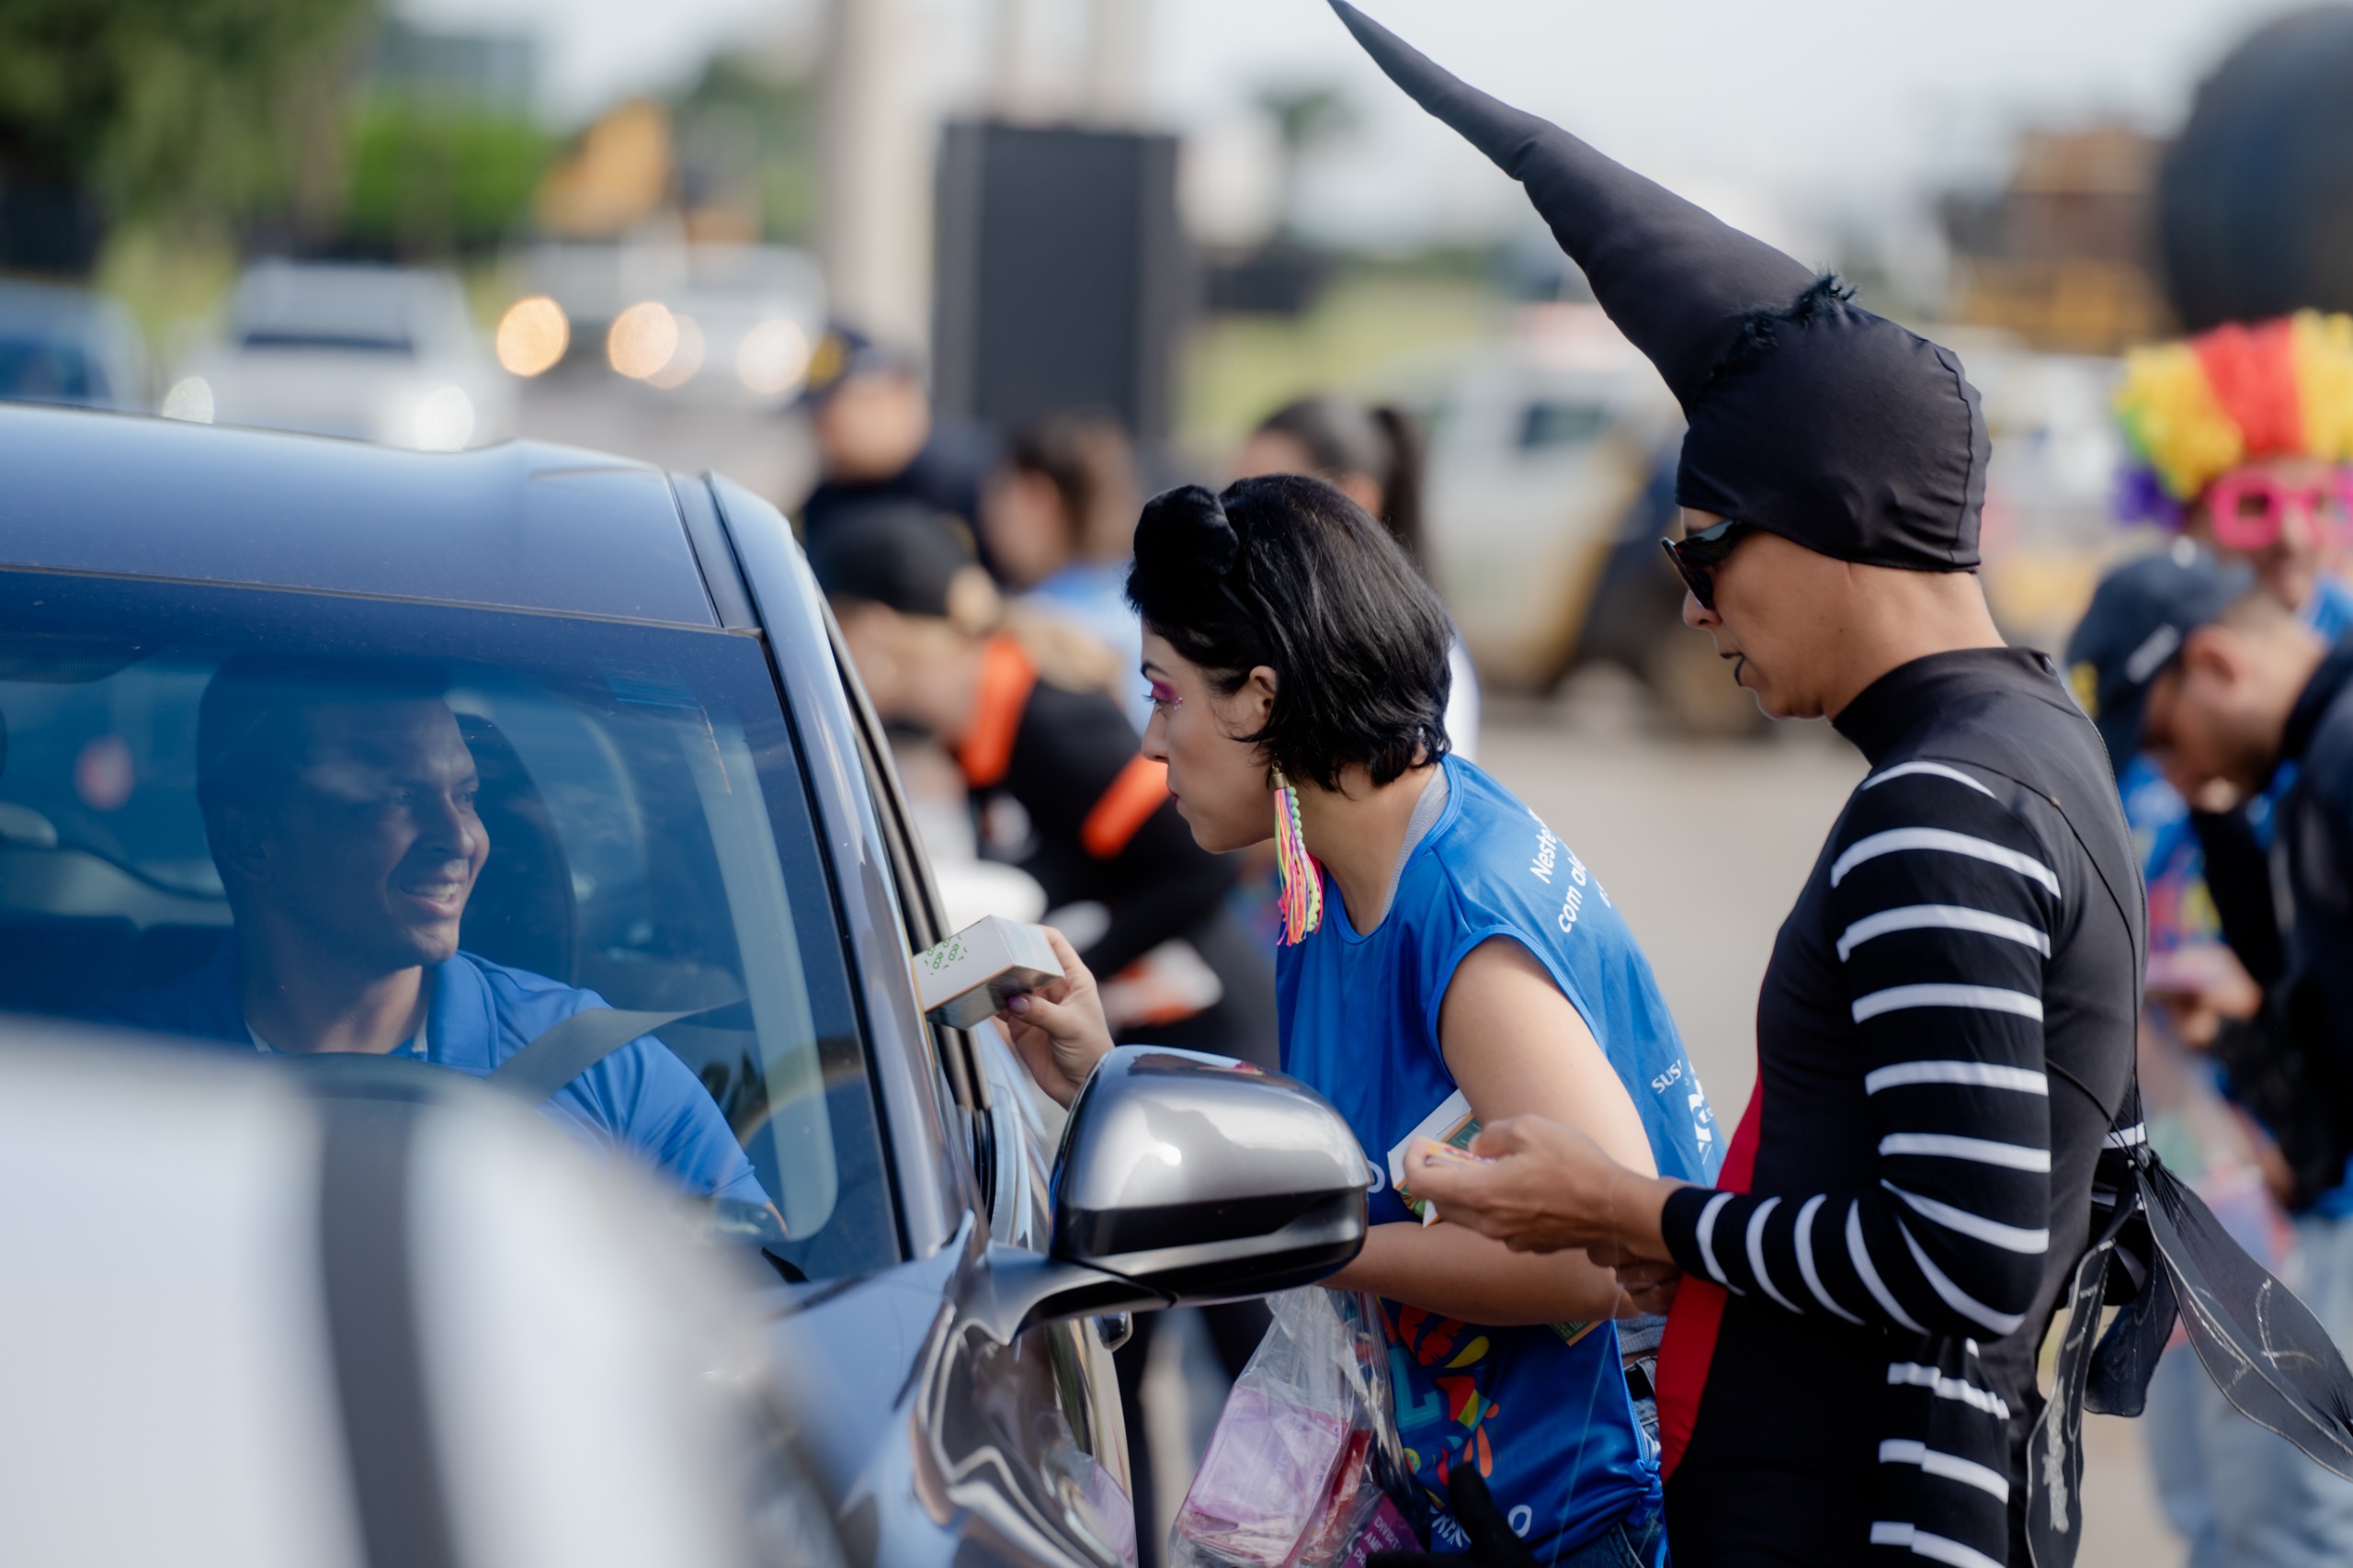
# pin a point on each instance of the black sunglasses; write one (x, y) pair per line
(1697, 554)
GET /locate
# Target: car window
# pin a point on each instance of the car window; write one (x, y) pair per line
(222, 808)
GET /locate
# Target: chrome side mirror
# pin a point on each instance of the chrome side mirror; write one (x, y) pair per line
(1201, 1179)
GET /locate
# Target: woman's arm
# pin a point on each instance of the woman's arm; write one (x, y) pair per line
(1517, 1047)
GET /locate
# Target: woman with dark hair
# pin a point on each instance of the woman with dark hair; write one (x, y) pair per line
(1372, 452)
(1447, 961)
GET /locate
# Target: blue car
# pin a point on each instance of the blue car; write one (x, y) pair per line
(543, 767)
(61, 344)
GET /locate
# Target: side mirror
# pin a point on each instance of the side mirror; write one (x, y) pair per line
(1184, 1178)
(1203, 1178)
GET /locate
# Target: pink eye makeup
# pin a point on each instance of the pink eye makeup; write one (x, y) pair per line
(1164, 695)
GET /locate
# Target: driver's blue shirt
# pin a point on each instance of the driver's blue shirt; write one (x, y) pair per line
(641, 1097)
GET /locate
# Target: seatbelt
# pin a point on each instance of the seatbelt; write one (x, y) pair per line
(535, 1072)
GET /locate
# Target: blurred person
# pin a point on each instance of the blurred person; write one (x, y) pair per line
(878, 438)
(2194, 663)
(1374, 454)
(340, 805)
(2239, 439)
(1447, 961)
(1055, 521)
(1945, 1033)
(1055, 776)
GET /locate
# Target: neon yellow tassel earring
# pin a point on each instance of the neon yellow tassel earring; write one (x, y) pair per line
(1301, 903)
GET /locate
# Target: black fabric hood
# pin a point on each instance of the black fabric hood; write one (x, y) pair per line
(1810, 418)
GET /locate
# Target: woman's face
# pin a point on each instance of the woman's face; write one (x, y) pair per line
(1272, 451)
(1221, 782)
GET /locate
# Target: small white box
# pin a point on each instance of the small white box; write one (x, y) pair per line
(972, 974)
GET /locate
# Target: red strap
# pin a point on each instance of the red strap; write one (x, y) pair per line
(1689, 1345)
(1007, 678)
(1124, 807)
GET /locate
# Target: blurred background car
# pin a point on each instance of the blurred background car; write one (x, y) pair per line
(373, 353)
(64, 345)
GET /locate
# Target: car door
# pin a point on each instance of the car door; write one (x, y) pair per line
(1017, 1447)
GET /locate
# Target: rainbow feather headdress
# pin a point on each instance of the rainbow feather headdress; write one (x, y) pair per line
(2196, 409)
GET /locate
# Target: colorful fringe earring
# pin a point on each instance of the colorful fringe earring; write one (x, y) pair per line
(1301, 901)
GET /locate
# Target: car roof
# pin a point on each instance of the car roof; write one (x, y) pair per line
(522, 525)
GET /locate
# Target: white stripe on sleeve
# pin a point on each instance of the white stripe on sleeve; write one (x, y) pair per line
(1956, 1298)
(1984, 1151)
(1986, 998)
(1936, 1548)
(1756, 1253)
(2009, 1238)
(1805, 1257)
(1948, 1467)
(1970, 1074)
(1896, 839)
(1707, 1237)
(2127, 1137)
(1933, 769)
(1861, 1257)
(1941, 918)
(1899, 1373)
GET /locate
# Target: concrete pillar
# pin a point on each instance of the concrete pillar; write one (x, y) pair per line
(876, 241)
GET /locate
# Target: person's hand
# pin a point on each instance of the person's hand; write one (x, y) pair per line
(1548, 1188)
(1649, 1283)
(1058, 1030)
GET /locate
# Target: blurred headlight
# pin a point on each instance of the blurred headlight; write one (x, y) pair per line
(643, 339)
(532, 335)
(685, 359)
(445, 420)
(189, 399)
(773, 357)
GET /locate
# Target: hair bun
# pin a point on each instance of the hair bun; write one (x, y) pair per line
(1186, 531)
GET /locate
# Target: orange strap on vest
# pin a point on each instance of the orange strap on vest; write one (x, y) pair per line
(1124, 808)
(1007, 678)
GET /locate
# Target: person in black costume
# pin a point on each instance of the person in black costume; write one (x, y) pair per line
(1946, 1031)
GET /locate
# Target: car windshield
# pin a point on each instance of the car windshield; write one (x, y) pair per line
(287, 824)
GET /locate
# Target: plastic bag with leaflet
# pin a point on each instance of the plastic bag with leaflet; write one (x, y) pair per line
(1296, 1471)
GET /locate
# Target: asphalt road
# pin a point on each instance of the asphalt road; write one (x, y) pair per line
(1703, 847)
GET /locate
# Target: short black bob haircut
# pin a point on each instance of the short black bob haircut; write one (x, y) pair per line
(1287, 572)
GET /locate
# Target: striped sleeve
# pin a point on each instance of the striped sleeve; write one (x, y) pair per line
(1942, 905)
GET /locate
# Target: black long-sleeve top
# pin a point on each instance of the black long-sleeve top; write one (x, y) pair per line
(1945, 1040)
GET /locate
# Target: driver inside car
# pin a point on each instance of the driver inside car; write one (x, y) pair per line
(339, 804)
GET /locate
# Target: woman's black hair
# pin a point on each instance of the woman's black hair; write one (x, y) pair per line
(1342, 436)
(1287, 572)
(1085, 454)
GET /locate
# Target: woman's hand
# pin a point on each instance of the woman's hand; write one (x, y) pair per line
(1549, 1187)
(1059, 1030)
(1649, 1284)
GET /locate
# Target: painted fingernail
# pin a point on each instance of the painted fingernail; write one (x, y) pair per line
(1017, 1005)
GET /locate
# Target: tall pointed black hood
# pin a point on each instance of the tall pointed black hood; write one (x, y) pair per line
(1810, 418)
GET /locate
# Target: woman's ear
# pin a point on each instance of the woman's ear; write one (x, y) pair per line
(1254, 703)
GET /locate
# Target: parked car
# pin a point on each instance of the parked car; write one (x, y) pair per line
(68, 345)
(386, 354)
(627, 684)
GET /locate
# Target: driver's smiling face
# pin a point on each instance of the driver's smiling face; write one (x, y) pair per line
(377, 844)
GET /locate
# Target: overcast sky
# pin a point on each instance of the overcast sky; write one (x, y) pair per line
(1748, 103)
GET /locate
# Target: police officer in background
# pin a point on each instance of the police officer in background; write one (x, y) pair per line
(878, 438)
(2196, 664)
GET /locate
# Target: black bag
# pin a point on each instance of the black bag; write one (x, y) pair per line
(2280, 1072)
(2163, 1254)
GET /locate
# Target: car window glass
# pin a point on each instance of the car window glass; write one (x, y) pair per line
(212, 795)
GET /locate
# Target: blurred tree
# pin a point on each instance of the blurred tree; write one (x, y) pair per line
(430, 179)
(748, 147)
(176, 109)
(1308, 117)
